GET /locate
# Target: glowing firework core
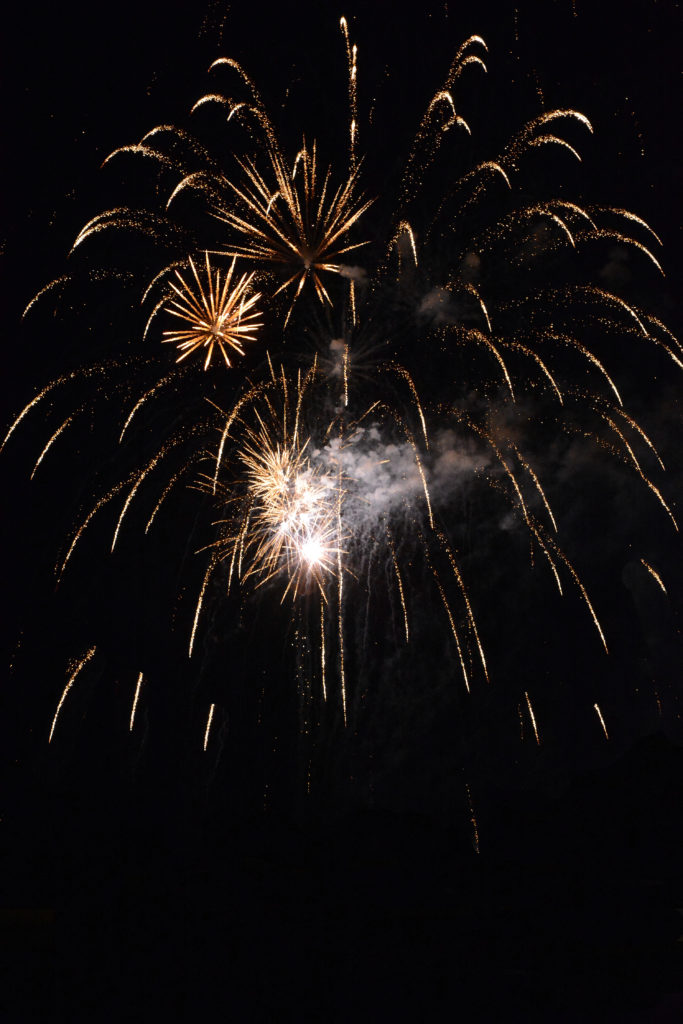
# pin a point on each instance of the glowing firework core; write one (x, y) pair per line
(313, 551)
(293, 514)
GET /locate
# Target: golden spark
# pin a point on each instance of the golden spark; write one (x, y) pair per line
(602, 721)
(135, 701)
(208, 726)
(81, 664)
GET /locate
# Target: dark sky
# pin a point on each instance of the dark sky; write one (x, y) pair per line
(171, 885)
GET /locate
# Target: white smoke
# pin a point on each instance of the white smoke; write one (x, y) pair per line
(436, 305)
(381, 477)
(356, 274)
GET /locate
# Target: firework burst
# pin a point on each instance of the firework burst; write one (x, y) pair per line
(298, 224)
(321, 481)
(224, 318)
(289, 521)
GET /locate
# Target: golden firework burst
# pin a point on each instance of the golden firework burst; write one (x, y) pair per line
(216, 314)
(300, 225)
(292, 510)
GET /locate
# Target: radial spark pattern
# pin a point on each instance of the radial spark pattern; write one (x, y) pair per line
(298, 223)
(222, 317)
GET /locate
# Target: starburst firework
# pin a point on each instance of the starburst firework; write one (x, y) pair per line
(297, 224)
(223, 317)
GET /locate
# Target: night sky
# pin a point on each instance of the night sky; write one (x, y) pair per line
(429, 859)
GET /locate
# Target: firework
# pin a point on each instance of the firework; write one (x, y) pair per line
(330, 482)
(214, 316)
(315, 493)
(297, 223)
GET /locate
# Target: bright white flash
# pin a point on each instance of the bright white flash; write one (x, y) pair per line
(313, 551)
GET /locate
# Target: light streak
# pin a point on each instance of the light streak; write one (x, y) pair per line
(198, 608)
(208, 726)
(322, 647)
(655, 575)
(143, 398)
(538, 487)
(400, 585)
(340, 598)
(532, 716)
(602, 721)
(135, 701)
(404, 230)
(454, 630)
(345, 366)
(461, 584)
(166, 491)
(131, 494)
(34, 401)
(49, 444)
(86, 522)
(72, 678)
(351, 57)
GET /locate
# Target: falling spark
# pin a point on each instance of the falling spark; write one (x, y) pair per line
(402, 372)
(340, 592)
(654, 574)
(166, 491)
(400, 585)
(473, 819)
(141, 401)
(135, 701)
(454, 630)
(49, 444)
(322, 647)
(351, 57)
(81, 664)
(34, 401)
(86, 522)
(131, 494)
(533, 718)
(198, 608)
(602, 721)
(345, 364)
(212, 97)
(208, 726)
(404, 230)
(538, 488)
(423, 478)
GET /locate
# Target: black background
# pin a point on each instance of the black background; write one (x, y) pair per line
(135, 880)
